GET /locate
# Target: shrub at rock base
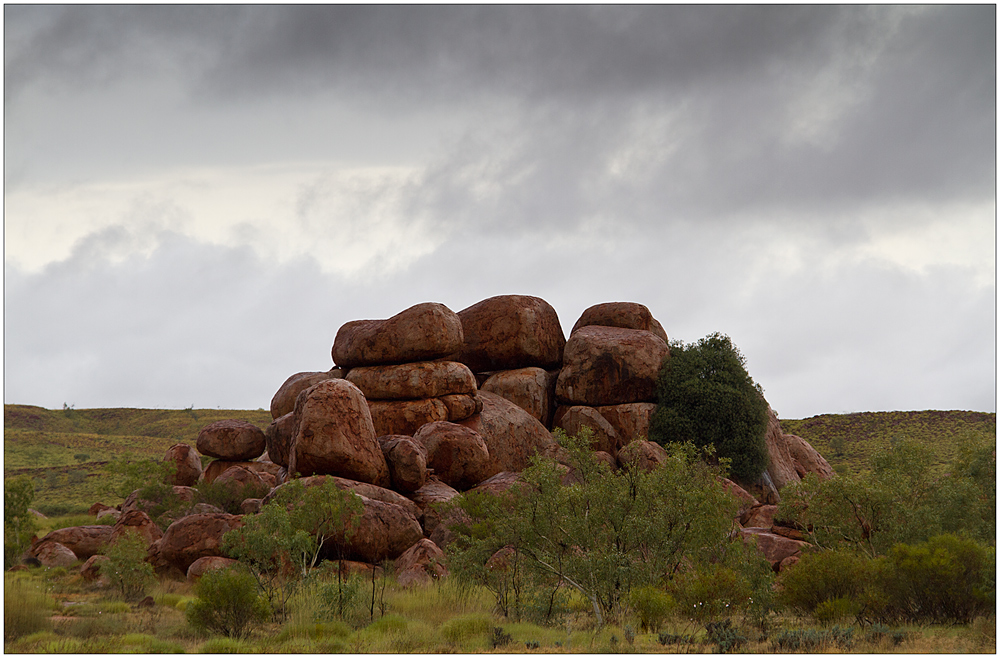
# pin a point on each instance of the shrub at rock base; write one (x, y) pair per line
(126, 567)
(228, 603)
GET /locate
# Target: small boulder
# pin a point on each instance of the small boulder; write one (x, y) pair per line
(84, 541)
(610, 365)
(202, 565)
(626, 315)
(53, 554)
(532, 389)
(138, 522)
(642, 454)
(189, 538)
(97, 508)
(429, 499)
(283, 401)
(217, 467)
(510, 331)
(335, 435)
(232, 440)
(385, 532)
(630, 420)
(410, 381)
(457, 454)
(423, 332)
(278, 436)
(604, 437)
(407, 462)
(243, 482)
(421, 564)
(91, 570)
(774, 548)
(760, 516)
(187, 465)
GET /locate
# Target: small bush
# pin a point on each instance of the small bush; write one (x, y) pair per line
(389, 624)
(824, 576)
(127, 569)
(226, 645)
(836, 610)
(652, 605)
(466, 627)
(26, 608)
(725, 635)
(500, 638)
(714, 591)
(228, 603)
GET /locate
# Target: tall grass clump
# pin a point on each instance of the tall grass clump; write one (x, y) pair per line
(26, 608)
(463, 629)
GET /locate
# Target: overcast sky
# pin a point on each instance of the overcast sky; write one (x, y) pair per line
(197, 197)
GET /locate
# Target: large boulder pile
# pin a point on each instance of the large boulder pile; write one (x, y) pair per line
(427, 404)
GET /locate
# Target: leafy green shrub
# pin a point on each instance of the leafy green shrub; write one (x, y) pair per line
(706, 397)
(836, 610)
(466, 627)
(26, 608)
(18, 522)
(126, 567)
(652, 605)
(228, 603)
(945, 579)
(229, 496)
(724, 634)
(713, 591)
(823, 576)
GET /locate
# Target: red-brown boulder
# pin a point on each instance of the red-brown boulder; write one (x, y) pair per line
(243, 482)
(208, 563)
(219, 466)
(532, 389)
(232, 440)
(91, 570)
(279, 435)
(335, 435)
(626, 315)
(774, 548)
(421, 564)
(759, 516)
(189, 538)
(385, 532)
(283, 401)
(407, 462)
(411, 381)
(186, 462)
(604, 437)
(136, 521)
(511, 434)
(429, 499)
(457, 454)
(53, 554)
(510, 331)
(83, 541)
(97, 508)
(365, 489)
(609, 365)
(630, 420)
(499, 483)
(642, 454)
(420, 333)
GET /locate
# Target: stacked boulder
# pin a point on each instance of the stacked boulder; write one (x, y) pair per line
(609, 373)
(235, 446)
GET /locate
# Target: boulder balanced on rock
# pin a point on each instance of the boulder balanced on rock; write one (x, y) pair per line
(420, 333)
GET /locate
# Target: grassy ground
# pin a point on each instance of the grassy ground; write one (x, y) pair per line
(64, 451)
(77, 617)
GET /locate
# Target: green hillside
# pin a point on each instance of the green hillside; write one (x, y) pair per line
(64, 451)
(848, 441)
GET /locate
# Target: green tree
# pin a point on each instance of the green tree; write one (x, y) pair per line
(604, 534)
(282, 543)
(18, 523)
(151, 479)
(706, 397)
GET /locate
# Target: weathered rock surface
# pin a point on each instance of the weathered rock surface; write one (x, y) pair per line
(412, 381)
(407, 462)
(421, 564)
(219, 466)
(499, 484)
(532, 389)
(407, 416)
(428, 499)
(186, 462)
(630, 420)
(806, 459)
(133, 502)
(190, 538)
(365, 489)
(509, 332)
(609, 365)
(283, 401)
(775, 548)
(137, 522)
(53, 554)
(511, 434)
(279, 435)
(604, 437)
(83, 541)
(625, 315)
(91, 570)
(97, 508)
(335, 434)
(208, 563)
(385, 532)
(457, 454)
(232, 440)
(642, 454)
(759, 516)
(747, 501)
(420, 333)
(243, 482)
